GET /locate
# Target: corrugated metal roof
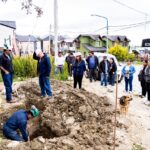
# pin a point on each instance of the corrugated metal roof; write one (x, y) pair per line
(26, 38)
(10, 24)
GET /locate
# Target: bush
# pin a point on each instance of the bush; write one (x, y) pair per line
(120, 52)
(26, 67)
(131, 57)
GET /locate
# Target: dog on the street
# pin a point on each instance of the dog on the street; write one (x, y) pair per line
(124, 102)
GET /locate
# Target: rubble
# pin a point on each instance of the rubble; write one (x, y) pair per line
(73, 120)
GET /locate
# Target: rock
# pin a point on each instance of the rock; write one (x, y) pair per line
(41, 139)
(68, 142)
(70, 120)
(13, 144)
(82, 109)
(53, 140)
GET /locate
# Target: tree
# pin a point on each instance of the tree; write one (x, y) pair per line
(28, 5)
(120, 52)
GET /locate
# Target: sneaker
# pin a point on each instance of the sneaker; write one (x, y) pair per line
(147, 102)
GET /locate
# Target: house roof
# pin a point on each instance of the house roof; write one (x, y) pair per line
(47, 38)
(117, 37)
(60, 38)
(26, 38)
(92, 36)
(10, 24)
(95, 49)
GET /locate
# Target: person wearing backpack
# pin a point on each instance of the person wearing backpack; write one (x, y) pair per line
(142, 79)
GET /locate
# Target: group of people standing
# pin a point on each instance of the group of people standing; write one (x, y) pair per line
(77, 66)
(106, 68)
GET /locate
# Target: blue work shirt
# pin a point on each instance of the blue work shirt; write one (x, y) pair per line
(18, 121)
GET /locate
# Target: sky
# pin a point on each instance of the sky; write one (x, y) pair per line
(74, 18)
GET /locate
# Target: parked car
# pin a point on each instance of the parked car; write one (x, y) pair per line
(100, 58)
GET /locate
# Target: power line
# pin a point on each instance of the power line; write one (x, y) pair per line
(129, 7)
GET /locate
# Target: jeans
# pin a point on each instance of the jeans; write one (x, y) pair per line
(143, 85)
(104, 79)
(11, 134)
(128, 82)
(45, 85)
(70, 69)
(8, 81)
(78, 80)
(92, 74)
(59, 68)
(112, 78)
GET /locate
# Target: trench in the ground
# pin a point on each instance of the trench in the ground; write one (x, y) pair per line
(44, 132)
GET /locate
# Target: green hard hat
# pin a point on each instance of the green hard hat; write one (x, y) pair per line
(35, 112)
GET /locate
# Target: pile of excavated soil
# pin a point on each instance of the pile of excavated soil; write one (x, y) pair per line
(71, 120)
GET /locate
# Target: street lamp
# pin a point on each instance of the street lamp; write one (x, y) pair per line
(106, 27)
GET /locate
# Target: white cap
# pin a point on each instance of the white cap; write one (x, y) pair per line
(38, 51)
(7, 47)
(77, 54)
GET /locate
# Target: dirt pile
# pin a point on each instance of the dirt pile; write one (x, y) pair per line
(72, 120)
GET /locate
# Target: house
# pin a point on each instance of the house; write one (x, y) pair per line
(67, 44)
(26, 44)
(116, 39)
(7, 34)
(87, 42)
(47, 43)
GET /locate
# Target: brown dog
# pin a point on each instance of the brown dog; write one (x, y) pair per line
(124, 104)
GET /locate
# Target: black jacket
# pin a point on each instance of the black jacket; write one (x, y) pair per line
(6, 63)
(96, 61)
(102, 67)
(70, 59)
(113, 68)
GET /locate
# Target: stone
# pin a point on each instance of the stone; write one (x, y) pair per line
(13, 144)
(70, 120)
(41, 139)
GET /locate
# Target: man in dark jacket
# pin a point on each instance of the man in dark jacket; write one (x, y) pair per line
(92, 61)
(104, 68)
(6, 68)
(44, 69)
(19, 121)
(70, 59)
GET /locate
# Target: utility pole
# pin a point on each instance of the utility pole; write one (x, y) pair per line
(50, 28)
(56, 28)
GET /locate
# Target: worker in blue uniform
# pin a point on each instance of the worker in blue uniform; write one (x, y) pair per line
(18, 121)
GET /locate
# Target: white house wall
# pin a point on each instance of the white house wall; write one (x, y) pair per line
(5, 32)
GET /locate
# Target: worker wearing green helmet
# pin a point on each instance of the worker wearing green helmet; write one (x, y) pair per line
(19, 121)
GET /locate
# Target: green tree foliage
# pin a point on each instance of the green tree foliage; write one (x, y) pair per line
(121, 53)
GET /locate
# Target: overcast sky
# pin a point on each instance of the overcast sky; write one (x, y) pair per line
(75, 17)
